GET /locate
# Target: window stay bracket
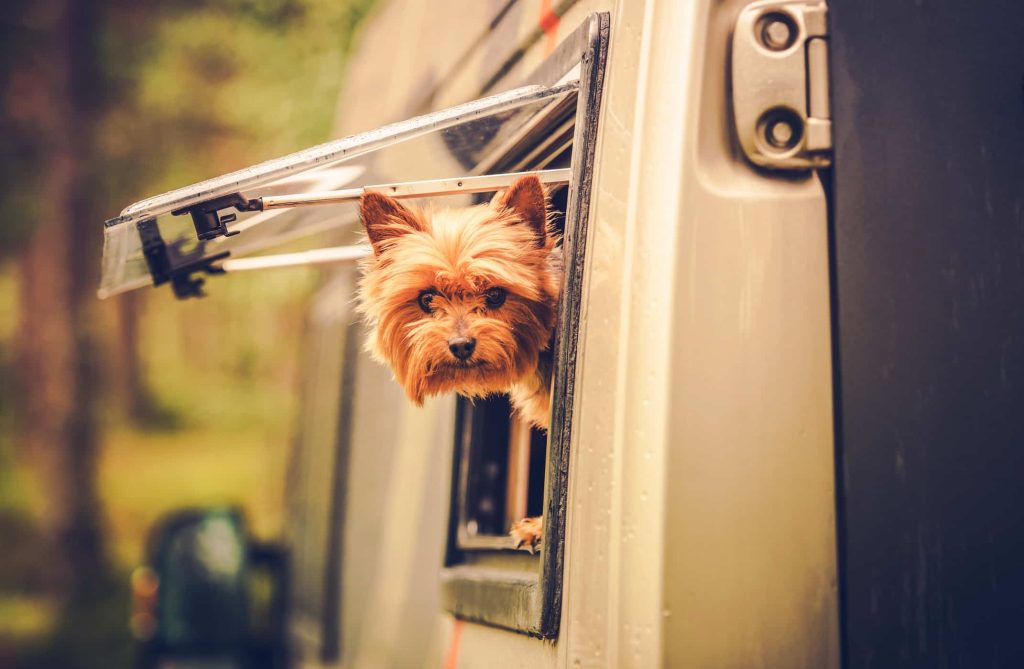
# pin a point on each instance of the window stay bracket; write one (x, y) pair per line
(209, 223)
(207, 219)
(180, 275)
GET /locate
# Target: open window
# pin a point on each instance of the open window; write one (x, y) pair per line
(208, 227)
(315, 490)
(502, 470)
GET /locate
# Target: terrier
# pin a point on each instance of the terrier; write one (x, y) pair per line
(465, 300)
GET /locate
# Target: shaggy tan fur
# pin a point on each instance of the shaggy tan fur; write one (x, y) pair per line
(527, 532)
(457, 256)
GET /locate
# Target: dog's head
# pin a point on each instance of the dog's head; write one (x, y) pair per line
(460, 300)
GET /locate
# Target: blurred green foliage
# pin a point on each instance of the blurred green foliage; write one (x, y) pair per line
(187, 89)
(224, 84)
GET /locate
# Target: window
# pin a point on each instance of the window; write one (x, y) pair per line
(501, 473)
(317, 469)
(502, 469)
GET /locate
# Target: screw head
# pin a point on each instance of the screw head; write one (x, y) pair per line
(780, 134)
(779, 129)
(777, 31)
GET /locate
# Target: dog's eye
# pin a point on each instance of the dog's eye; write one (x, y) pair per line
(424, 300)
(495, 297)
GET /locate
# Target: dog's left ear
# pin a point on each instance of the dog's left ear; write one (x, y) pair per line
(385, 219)
(526, 197)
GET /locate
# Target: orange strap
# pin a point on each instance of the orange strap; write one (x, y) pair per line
(451, 660)
(548, 22)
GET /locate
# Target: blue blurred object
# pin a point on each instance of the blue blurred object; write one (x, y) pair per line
(195, 603)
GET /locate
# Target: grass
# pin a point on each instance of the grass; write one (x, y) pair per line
(25, 616)
(146, 475)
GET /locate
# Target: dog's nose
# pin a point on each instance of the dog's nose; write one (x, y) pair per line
(462, 347)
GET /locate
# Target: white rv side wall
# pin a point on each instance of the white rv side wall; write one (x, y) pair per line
(702, 528)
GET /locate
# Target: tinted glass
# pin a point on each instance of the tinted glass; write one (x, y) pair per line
(441, 144)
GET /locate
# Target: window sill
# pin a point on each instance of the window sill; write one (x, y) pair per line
(509, 599)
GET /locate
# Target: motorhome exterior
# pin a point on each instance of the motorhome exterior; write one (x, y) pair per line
(752, 462)
(700, 506)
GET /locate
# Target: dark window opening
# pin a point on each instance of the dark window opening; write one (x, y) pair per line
(502, 469)
(501, 479)
(504, 478)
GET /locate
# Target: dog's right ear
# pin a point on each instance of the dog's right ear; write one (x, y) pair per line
(384, 218)
(528, 199)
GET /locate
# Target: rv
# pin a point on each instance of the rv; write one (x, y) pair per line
(793, 275)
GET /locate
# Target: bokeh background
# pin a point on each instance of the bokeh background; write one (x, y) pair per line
(113, 413)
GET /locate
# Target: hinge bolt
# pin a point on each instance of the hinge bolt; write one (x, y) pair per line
(778, 32)
(780, 88)
(780, 134)
(780, 128)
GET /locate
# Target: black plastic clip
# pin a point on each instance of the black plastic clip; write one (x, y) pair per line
(207, 219)
(159, 260)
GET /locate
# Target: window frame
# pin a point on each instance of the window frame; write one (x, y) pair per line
(512, 589)
(334, 332)
(151, 242)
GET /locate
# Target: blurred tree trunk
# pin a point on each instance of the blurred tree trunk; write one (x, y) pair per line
(57, 371)
(133, 392)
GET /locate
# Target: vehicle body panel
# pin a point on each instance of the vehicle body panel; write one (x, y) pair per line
(701, 503)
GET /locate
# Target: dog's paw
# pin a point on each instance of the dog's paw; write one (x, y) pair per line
(527, 533)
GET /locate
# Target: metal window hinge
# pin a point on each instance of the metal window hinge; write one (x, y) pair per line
(168, 264)
(780, 84)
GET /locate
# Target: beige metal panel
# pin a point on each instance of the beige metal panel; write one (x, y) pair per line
(397, 495)
(517, 36)
(394, 525)
(484, 647)
(311, 466)
(612, 618)
(753, 447)
(372, 454)
(495, 47)
(402, 52)
(701, 526)
(400, 627)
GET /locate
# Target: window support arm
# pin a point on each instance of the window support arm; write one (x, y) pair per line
(163, 268)
(210, 223)
(324, 256)
(413, 189)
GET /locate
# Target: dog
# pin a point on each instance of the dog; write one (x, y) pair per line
(465, 300)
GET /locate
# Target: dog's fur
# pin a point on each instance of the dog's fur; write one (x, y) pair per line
(434, 278)
(459, 255)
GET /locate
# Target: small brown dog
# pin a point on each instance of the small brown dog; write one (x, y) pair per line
(465, 300)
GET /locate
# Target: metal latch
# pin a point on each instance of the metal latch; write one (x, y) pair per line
(167, 263)
(780, 84)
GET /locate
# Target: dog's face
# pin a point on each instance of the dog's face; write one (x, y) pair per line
(460, 300)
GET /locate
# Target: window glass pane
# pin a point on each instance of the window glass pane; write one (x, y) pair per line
(441, 144)
(318, 464)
